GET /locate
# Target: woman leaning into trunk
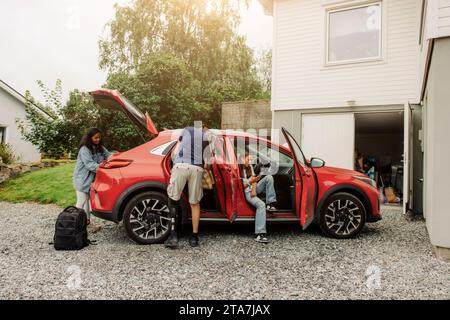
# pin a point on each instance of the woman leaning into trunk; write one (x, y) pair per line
(90, 155)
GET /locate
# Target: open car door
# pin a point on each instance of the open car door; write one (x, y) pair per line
(305, 183)
(227, 177)
(113, 100)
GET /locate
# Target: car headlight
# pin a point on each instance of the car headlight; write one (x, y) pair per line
(366, 180)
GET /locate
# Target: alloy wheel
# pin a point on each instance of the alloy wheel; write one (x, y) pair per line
(149, 219)
(343, 217)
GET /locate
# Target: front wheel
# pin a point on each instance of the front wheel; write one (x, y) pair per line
(146, 218)
(342, 216)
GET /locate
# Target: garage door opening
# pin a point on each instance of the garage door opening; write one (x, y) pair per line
(379, 144)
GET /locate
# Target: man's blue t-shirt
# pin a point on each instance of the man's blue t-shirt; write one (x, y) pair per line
(192, 145)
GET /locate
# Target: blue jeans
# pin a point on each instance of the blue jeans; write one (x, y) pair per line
(265, 185)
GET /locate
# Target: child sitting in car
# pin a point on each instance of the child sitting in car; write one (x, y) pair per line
(255, 185)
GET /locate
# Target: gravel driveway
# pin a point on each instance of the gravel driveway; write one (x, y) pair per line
(390, 260)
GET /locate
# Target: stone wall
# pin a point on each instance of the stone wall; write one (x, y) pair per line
(247, 115)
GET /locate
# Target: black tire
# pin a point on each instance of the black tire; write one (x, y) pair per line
(146, 218)
(342, 216)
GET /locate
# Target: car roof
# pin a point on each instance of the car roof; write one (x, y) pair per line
(174, 135)
(229, 133)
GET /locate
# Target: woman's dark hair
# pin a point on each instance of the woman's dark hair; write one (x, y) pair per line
(245, 153)
(86, 141)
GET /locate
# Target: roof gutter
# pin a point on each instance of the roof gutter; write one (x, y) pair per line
(22, 99)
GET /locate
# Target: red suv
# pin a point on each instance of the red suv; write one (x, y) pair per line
(131, 186)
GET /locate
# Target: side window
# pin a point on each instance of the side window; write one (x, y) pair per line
(276, 156)
(216, 149)
(164, 149)
(168, 148)
(261, 152)
(2, 134)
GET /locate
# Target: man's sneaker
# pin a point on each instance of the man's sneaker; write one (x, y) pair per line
(172, 241)
(193, 240)
(261, 238)
(271, 207)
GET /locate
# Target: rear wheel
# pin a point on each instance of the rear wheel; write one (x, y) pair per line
(342, 216)
(146, 218)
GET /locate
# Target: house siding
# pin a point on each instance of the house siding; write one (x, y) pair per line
(437, 151)
(436, 25)
(302, 81)
(444, 18)
(437, 19)
(12, 109)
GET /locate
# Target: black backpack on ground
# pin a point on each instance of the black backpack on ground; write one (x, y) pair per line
(71, 230)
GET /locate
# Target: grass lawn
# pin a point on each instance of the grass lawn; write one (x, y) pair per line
(52, 185)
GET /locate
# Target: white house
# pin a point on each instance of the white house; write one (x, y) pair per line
(372, 76)
(435, 99)
(12, 107)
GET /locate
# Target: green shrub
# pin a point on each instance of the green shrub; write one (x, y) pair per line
(6, 154)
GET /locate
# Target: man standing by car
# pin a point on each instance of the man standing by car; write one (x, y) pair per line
(189, 162)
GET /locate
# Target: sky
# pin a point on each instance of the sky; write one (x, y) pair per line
(58, 39)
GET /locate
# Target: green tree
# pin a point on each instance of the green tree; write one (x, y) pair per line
(264, 70)
(56, 128)
(200, 33)
(81, 113)
(43, 121)
(165, 88)
(178, 60)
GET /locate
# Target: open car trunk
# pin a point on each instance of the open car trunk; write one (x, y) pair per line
(113, 100)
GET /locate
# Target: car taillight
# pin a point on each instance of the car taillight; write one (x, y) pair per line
(115, 163)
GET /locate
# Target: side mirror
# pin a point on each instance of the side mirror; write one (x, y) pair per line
(317, 163)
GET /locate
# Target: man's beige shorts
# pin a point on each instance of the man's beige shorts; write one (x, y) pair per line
(183, 173)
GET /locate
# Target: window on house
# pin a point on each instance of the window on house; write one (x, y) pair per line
(2, 135)
(354, 34)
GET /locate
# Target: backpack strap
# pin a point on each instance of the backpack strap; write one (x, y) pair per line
(71, 207)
